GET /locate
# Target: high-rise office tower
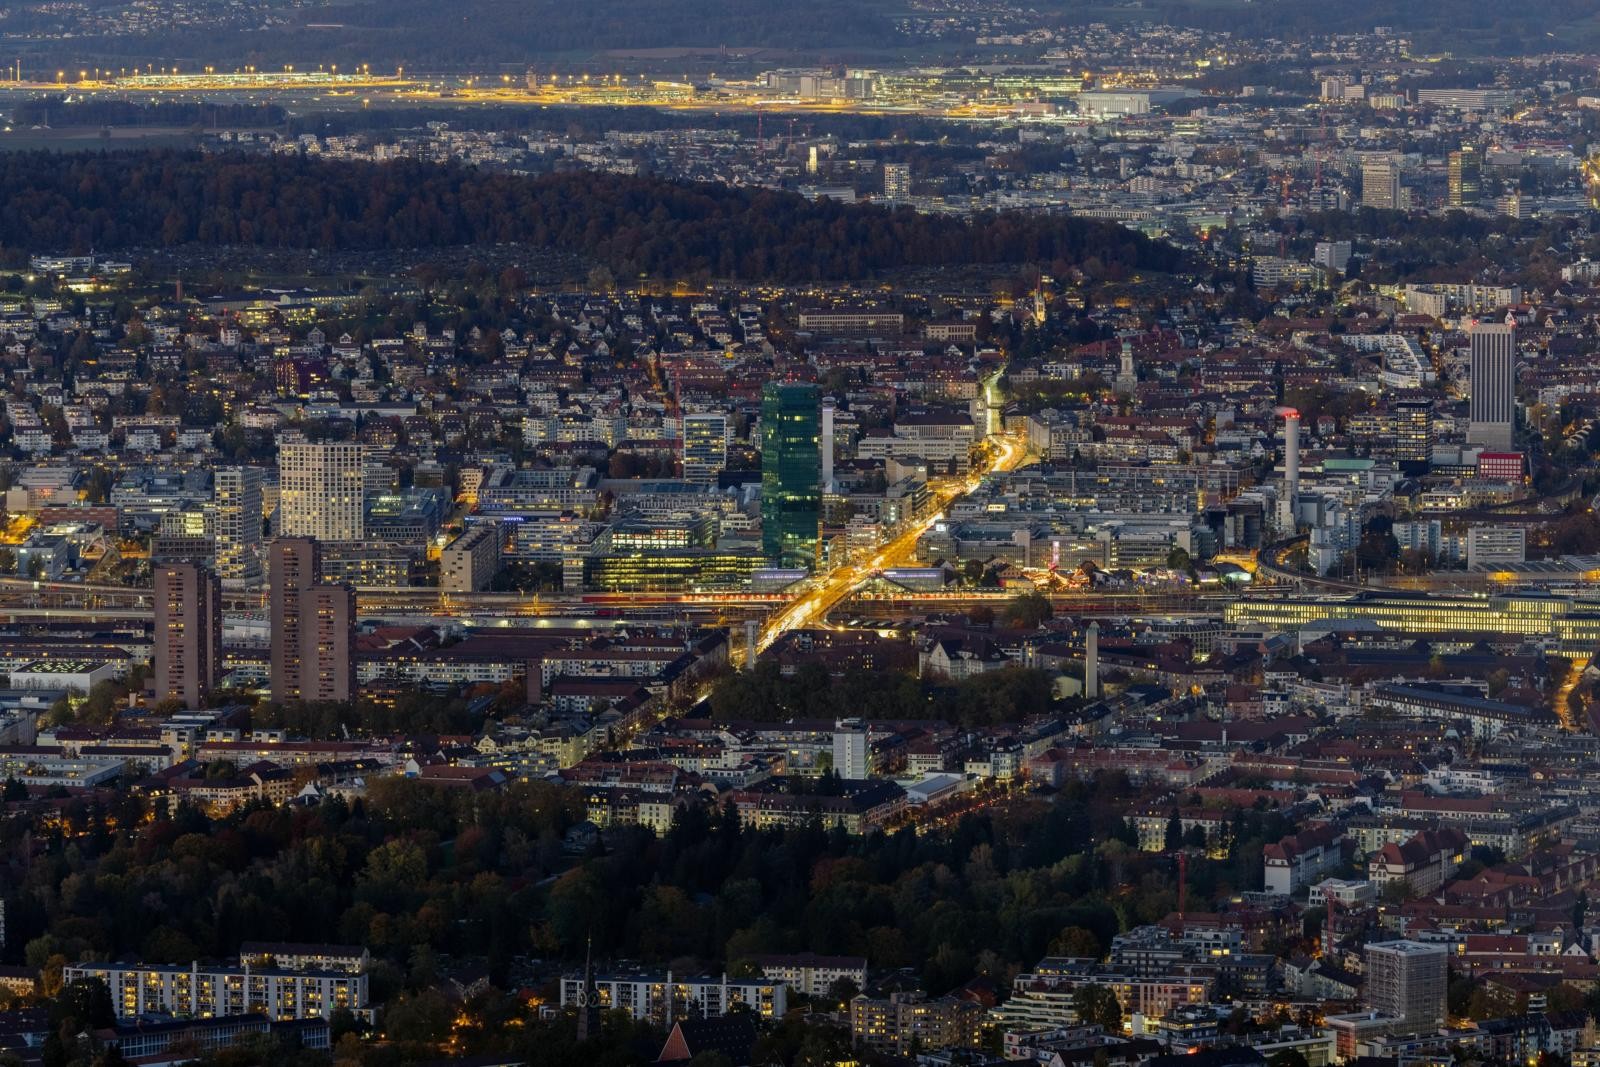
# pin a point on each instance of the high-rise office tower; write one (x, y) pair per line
(1380, 183)
(313, 626)
(1413, 431)
(791, 468)
(705, 447)
(320, 491)
(1466, 177)
(1408, 980)
(236, 493)
(1492, 410)
(896, 181)
(188, 635)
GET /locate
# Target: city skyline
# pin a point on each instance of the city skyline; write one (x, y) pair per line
(732, 535)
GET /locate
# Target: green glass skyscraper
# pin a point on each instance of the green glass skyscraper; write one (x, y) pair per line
(1465, 177)
(791, 474)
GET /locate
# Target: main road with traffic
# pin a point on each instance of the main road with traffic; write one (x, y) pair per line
(827, 590)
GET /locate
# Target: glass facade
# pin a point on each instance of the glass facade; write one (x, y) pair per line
(1465, 177)
(688, 570)
(1573, 624)
(791, 474)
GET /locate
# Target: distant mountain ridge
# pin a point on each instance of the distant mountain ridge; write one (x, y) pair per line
(479, 34)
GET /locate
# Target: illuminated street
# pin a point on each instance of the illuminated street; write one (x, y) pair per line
(838, 584)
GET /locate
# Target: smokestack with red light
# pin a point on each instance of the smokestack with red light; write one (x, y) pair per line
(1291, 449)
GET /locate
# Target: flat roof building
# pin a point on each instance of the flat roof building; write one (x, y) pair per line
(1407, 980)
(212, 992)
(188, 633)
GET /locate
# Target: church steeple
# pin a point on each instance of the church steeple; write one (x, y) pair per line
(1127, 371)
(588, 997)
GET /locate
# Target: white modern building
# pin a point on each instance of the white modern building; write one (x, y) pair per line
(1496, 546)
(320, 491)
(851, 750)
(664, 998)
(211, 992)
(814, 975)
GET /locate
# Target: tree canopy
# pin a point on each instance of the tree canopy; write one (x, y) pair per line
(634, 225)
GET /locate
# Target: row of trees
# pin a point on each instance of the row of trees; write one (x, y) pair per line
(412, 712)
(56, 110)
(767, 695)
(914, 137)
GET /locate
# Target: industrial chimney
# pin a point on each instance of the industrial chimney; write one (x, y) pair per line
(1291, 468)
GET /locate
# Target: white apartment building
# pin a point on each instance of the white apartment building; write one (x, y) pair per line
(211, 992)
(814, 975)
(320, 491)
(653, 996)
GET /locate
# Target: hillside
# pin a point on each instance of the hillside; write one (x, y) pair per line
(637, 226)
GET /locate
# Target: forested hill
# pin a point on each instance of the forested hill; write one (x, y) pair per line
(467, 35)
(1460, 27)
(473, 34)
(636, 226)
